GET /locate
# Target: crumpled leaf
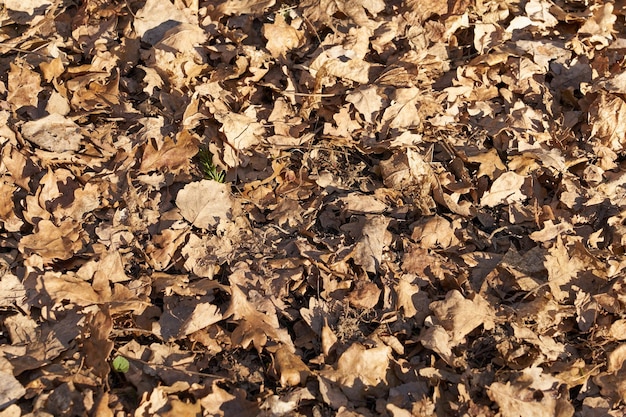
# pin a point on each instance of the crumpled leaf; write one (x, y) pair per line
(281, 37)
(166, 153)
(362, 372)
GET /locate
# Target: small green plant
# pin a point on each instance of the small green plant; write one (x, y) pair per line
(120, 364)
(208, 168)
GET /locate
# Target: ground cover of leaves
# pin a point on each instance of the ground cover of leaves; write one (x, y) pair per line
(422, 209)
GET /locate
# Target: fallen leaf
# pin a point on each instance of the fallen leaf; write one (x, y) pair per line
(205, 203)
(281, 37)
(506, 189)
(54, 133)
(290, 368)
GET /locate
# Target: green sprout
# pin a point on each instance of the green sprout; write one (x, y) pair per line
(208, 168)
(120, 364)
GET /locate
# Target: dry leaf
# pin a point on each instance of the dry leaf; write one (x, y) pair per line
(506, 189)
(54, 133)
(205, 203)
(290, 368)
(460, 316)
(369, 249)
(281, 37)
(54, 242)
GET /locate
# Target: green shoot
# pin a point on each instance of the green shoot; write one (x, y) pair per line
(208, 168)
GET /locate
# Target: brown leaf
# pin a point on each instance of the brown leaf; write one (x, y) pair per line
(96, 344)
(281, 37)
(255, 326)
(165, 153)
(364, 295)
(54, 133)
(54, 242)
(290, 368)
(206, 203)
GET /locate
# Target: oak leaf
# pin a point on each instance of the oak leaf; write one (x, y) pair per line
(54, 242)
(281, 37)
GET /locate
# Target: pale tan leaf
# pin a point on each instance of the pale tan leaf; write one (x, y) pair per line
(281, 37)
(203, 315)
(54, 133)
(155, 18)
(459, 315)
(562, 269)
(517, 401)
(329, 339)
(367, 101)
(290, 368)
(362, 371)
(24, 85)
(607, 117)
(239, 7)
(368, 251)
(490, 164)
(10, 390)
(360, 203)
(506, 189)
(601, 22)
(435, 232)
(437, 339)
(205, 203)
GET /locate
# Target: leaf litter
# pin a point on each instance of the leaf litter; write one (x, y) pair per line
(420, 208)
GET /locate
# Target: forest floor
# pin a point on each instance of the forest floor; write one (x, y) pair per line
(316, 208)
